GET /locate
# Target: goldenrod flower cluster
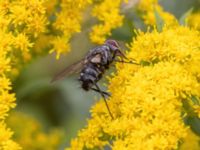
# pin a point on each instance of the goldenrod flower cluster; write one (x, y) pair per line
(22, 21)
(30, 135)
(147, 99)
(28, 27)
(147, 8)
(18, 24)
(108, 12)
(193, 20)
(68, 21)
(36, 21)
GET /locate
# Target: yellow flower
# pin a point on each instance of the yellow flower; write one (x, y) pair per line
(6, 99)
(9, 144)
(4, 22)
(5, 84)
(22, 12)
(60, 45)
(19, 14)
(37, 25)
(33, 136)
(99, 32)
(193, 20)
(4, 6)
(17, 17)
(5, 42)
(110, 19)
(5, 135)
(28, 17)
(148, 8)
(4, 64)
(7, 102)
(68, 22)
(22, 42)
(147, 99)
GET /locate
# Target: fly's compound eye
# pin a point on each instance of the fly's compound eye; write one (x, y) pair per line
(112, 44)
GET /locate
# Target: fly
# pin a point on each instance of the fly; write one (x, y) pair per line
(93, 66)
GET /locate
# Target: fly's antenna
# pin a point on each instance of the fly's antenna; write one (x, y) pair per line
(99, 90)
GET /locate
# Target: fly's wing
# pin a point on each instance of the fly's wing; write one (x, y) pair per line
(74, 68)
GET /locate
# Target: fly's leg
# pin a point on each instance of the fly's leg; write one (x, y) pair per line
(105, 93)
(102, 94)
(127, 62)
(123, 57)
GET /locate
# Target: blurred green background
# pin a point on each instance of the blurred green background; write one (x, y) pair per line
(63, 104)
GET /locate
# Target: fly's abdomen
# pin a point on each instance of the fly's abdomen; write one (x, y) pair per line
(90, 75)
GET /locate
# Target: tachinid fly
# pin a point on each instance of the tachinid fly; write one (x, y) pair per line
(93, 66)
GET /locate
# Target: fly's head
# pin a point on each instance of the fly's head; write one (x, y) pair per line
(115, 48)
(113, 45)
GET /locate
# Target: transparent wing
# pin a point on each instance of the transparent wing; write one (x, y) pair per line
(74, 68)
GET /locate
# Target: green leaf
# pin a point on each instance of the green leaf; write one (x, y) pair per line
(194, 123)
(159, 21)
(195, 100)
(144, 63)
(182, 20)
